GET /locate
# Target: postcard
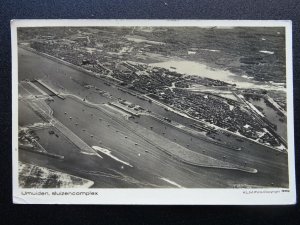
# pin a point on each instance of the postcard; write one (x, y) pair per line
(172, 112)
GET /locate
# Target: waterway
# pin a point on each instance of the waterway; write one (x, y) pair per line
(148, 167)
(199, 69)
(272, 115)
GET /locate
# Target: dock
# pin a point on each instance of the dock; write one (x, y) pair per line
(49, 88)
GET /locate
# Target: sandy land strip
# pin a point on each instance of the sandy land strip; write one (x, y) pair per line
(32, 176)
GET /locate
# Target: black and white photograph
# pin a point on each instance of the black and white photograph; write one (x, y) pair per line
(149, 105)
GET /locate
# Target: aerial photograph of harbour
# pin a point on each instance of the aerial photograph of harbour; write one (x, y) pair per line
(152, 107)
